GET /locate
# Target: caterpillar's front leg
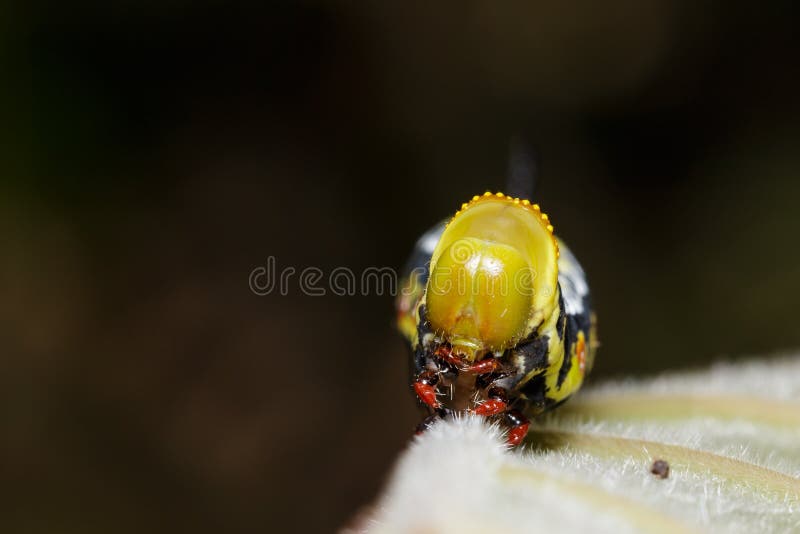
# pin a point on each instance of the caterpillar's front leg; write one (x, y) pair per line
(517, 427)
(497, 403)
(425, 388)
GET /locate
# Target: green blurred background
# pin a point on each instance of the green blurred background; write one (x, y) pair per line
(153, 154)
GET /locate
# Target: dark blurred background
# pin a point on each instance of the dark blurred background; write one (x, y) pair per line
(154, 154)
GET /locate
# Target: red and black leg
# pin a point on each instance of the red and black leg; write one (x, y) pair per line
(425, 388)
(517, 427)
(426, 382)
(497, 403)
(487, 365)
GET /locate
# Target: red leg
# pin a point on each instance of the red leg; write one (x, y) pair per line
(488, 365)
(445, 353)
(495, 404)
(518, 424)
(491, 407)
(425, 388)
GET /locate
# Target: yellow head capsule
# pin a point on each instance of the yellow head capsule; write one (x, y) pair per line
(493, 276)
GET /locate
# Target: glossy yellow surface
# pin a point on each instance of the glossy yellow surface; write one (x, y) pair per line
(493, 275)
(471, 297)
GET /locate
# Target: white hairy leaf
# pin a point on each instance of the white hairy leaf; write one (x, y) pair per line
(730, 435)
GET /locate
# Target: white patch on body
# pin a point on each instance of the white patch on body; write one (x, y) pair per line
(572, 279)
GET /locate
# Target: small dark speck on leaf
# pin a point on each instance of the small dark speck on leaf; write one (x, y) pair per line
(660, 468)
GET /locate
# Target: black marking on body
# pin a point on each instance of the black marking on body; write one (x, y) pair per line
(420, 361)
(420, 354)
(562, 315)
(535, 391)
(566, 363)
(422, 312)
(575, 323)
(486, 380)
(534, 353)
